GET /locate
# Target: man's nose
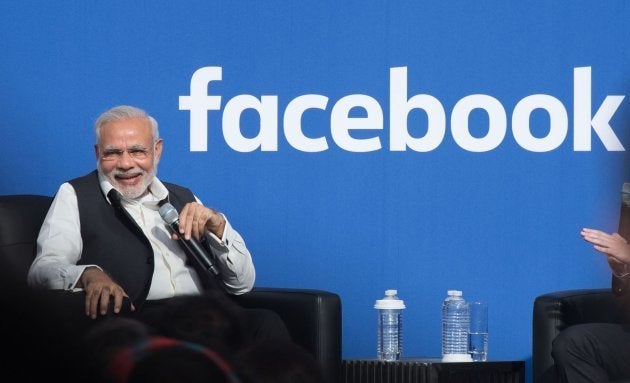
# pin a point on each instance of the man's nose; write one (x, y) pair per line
(126, 161)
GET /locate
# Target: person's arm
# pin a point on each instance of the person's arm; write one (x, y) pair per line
(59, 248)
(617, 251)
(59, 245)
(234, 259)
(226, 244)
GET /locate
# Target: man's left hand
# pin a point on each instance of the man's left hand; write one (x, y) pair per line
(195, 219)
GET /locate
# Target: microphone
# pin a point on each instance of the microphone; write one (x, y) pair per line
(192, 247)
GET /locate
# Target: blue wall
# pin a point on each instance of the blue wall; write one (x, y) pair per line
(500, 221)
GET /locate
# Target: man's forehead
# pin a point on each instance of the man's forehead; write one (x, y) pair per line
(140, 127)
(139, 122)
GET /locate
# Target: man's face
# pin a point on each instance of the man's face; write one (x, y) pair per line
(127, 156)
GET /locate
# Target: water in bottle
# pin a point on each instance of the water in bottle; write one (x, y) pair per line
(455, 327)
(389, 338)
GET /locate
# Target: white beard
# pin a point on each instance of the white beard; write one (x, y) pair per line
(131, 191)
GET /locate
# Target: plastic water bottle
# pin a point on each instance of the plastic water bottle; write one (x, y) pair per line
(390, 338)
(455, 325)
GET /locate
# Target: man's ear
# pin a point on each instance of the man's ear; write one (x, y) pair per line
(158, 149)
(96, 153)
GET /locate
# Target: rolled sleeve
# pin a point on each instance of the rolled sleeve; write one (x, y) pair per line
(234, 260)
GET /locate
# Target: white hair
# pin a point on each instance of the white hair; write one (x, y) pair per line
(124, 112)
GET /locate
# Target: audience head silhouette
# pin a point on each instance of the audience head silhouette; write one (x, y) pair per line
(105, 339)
(167, 360)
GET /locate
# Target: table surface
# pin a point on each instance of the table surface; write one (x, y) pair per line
(431, 370)
(429, 360)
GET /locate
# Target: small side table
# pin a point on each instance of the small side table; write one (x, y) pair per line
(431, 370)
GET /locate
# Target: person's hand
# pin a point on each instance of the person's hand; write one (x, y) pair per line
(614, 246)
(99, 288)
(195, 218)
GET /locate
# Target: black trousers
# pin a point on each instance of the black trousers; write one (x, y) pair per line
(48, 328)
(258, 324)
(594, 352)
(69, 307)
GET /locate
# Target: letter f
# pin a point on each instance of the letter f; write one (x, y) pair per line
(199, 103)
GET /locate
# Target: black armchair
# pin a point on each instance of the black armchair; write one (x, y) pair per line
(313, 317)
(555, 311)
(20, 219)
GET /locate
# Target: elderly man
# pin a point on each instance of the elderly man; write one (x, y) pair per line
(104, 236)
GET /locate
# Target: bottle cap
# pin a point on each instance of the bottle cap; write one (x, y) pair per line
(455, 293)
(457, 358)
(390, 302)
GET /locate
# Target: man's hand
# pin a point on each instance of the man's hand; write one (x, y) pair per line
(99, 288)
(195, 218)
(613, 245)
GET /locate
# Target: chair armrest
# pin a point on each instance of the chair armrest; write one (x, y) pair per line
(555, 311)
(313, 318)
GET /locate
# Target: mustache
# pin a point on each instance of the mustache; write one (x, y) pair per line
(127, 173)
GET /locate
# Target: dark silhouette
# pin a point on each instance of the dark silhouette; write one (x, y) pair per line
(167, 360)
(277, 362)
(211, 320)
(108, 337)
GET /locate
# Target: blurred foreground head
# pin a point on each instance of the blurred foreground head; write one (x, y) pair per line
(167, 360)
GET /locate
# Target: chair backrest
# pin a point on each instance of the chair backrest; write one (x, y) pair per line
(21, 216)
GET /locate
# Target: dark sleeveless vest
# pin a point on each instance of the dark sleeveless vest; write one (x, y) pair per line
(113, 241)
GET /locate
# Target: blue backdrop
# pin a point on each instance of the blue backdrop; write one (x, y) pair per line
(494, 215)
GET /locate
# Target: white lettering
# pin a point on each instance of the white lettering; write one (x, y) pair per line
(558, 123)
(582, 120)
(341, 123)
(400, 107)
(293, 123)
(267, 138)
(199, 103)
(497, 123)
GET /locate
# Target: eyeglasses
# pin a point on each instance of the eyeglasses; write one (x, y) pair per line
(136, 152)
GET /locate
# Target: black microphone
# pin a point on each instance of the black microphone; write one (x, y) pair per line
(192, 247)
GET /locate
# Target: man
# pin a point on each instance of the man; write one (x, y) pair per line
(104, 236)
(598, 352)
